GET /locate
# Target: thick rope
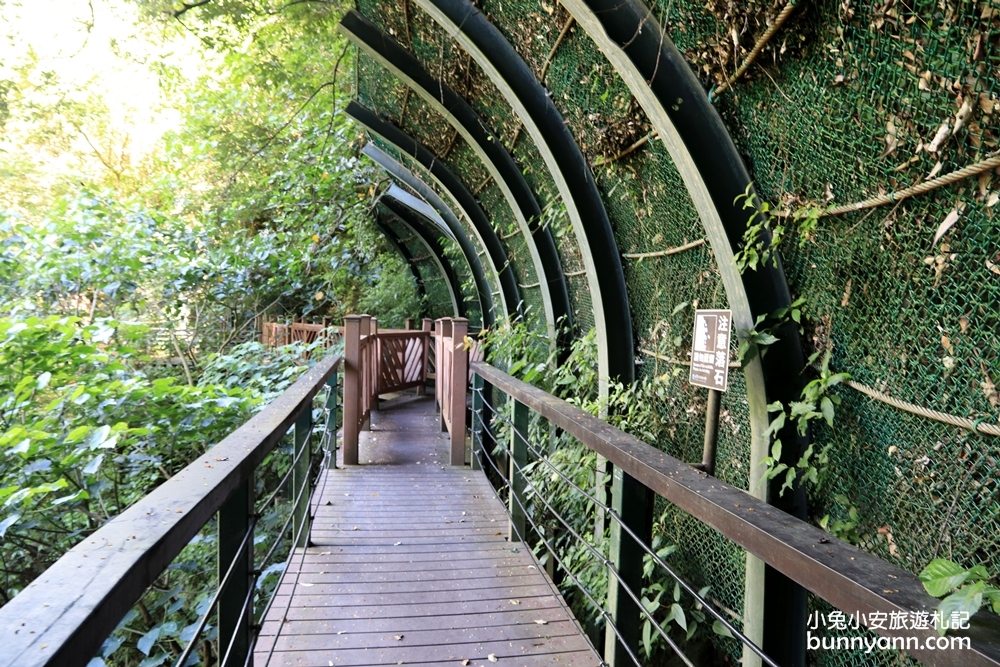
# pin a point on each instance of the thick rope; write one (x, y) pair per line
(665, 253)
(757, 48)
(976, 425)
(894, 197)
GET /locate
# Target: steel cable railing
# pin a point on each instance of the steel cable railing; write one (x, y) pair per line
(543, 458)
(553, 552)
(322, 456)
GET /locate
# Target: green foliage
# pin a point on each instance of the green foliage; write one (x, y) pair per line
(84, 434)
(844, 529)
(765, 231)
(966, 590)
(817, 402)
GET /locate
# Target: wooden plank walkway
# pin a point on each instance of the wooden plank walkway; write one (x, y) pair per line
(410, 565)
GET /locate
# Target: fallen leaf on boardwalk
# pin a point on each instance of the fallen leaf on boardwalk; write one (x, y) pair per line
(465, 662)
(355, 528)
(342, 632)
(397, 544)
(946, 224)
(514, 601)
(541, 621)
(303, 583)
(398, 637)
(491, 658)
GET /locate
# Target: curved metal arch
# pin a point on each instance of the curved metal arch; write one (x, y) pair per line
(568, 168)
(414, 221)
(421, 207)
(714, 174)
(509, 291)
(395, 242)
(454, 227)
(488, 148)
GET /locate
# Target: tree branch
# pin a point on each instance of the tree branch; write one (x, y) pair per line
(185, 7)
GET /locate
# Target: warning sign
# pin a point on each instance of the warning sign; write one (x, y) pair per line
(710, 349)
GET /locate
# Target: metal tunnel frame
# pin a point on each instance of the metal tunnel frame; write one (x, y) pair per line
(395, 199)
(708, 162)
(568, 168)
(454, 227)
(385, 50)
(463, 198)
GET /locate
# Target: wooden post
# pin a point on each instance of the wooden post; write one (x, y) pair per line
(428, 341)
(409, 324)
(633, 503)
(302, 453)
(438, 379)
(366, 330)
(235, 620)
(443, 388)
(459, 388)
(352, 387)
(515, 477)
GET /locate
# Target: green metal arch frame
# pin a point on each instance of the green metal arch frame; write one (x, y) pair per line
(569, 170)
(701, 148)
(395, 199)
(385, 50)
(454, 227)
(459, 193)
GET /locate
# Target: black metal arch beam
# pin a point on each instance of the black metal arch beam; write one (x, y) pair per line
(456, 189)
(394, 241)
(416, 223)
(568, 168)
(398, 171)
(714, 174)
(488, 147)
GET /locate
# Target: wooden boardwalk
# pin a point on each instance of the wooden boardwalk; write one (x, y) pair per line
(410, 565)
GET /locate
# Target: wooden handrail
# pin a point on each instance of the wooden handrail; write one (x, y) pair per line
(63, 616)
(850, 579)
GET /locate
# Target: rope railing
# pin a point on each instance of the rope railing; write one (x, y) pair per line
(851, 580)
(56, 621)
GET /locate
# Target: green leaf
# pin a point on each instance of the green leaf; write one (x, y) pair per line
(678, 614)
(647, 638)
(826, 407)
(145, 643)
(967, 599)
(721, 630)
(764, 339)
(941, 576)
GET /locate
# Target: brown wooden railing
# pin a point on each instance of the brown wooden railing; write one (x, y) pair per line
(274, 333)
(854, 581)
(379, 362)
(452, 380)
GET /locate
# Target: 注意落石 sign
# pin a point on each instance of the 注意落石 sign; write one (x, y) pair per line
(710, 349)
